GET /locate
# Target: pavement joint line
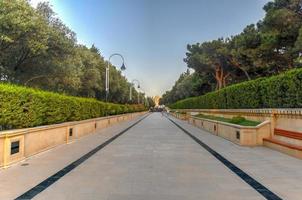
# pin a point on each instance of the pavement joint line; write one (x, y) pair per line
(31, 193)
(264, 191)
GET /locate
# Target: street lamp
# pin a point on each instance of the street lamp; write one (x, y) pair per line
(133, 84)
(107, 72)
(144, 96)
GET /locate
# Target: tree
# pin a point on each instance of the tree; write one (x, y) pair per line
(272, 46)
(279, 31)
(188, 85)
(150, 102)
(298, 49)
(38, 50)
(268, 48)
(23, 37)
(215, 58)
(243, 48)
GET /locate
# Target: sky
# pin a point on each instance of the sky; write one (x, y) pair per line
(152, 35)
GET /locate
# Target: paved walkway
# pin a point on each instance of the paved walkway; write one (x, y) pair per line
(155, 160)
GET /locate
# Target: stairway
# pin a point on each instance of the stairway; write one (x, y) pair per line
(285, 141)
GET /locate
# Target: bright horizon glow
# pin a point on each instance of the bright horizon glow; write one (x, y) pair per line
(152, 34)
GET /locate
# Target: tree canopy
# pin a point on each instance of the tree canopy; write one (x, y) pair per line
(38, 50)
(271, 46)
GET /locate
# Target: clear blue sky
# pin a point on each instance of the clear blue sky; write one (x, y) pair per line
(152, 34)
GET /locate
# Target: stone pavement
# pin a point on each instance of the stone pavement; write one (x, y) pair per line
(154, 160)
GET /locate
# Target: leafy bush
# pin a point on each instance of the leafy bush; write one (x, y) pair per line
(281, 91)
(235, 120)
(22, 107)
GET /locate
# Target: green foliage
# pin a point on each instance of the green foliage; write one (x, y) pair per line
(235, 120)
(186, 86)
(22, 107)
(149, 102)
(270, 47)
(281, 91)
(38, 50)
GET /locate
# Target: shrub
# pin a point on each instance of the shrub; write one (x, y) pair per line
(237, 120)
(22, 107)
(281, 91)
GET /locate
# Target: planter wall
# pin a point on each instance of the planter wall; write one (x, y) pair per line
(288, 119)
(180, 116)
(22, 143)
(242, 135)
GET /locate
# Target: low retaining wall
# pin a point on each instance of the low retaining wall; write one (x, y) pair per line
(180, 116)
(287, 119)
(22, 143)
(242, 135)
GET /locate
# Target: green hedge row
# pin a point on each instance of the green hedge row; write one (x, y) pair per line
(22, 107)
(281, 91)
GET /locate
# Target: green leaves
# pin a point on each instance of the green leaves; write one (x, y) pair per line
(37, 49)
(282, 91)
(22, 32)
(22, 107)
(186, 86)
(270, 47)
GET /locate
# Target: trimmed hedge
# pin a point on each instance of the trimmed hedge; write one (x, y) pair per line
(281, 91)
(22, 107)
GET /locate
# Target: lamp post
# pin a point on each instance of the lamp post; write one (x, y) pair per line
(107, 72)
(138, 86)
(144, 95)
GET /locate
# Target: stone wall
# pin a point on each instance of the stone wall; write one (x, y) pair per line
(22, 143)
(242, 135)
(287, 119)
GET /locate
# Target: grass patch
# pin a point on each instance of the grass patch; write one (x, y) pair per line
(235, 120)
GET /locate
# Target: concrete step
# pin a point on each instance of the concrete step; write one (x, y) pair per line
(284, 147)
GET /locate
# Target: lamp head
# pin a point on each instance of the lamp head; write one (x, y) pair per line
(123, 68)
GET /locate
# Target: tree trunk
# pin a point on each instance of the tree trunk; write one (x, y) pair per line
(224, 79)
(236, 64)
(246, 74)
(219, 76)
